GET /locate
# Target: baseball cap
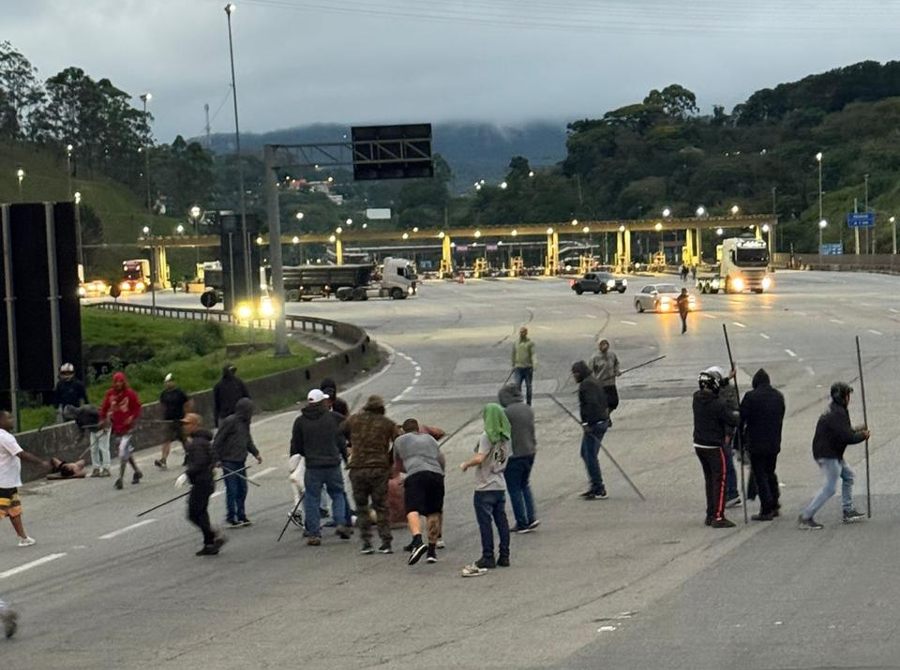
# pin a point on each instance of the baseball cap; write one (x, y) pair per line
(316, 396)
(169, 377)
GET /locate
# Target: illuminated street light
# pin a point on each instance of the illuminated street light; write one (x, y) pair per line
(734, 210)
(441, 235)
(405, 236)
(477, 234)
(658, 227)
(299, 216)
(349, 222)
(586, 230)
(20, 176)
(477, 186)
(765, 228)
(549, 231)
(295, 240)
(503, 185)
(415, 229)
(823, 223)
(514, 232)
(719, 232)
(339, 230)
(893, 221)
(701, 211)
(621, 228)
(574, 222)
(259, 240)
(179, 229)
(146, 230)
(365, 225)
(666, 213)
(332, 239)
(77, 197)
(531, 173)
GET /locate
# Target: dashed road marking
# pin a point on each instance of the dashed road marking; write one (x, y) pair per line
(764, 336)
(707, 316)
(790, 353)
(895, 311)
(810, 371)
(32, 564)
(262, 473)
(835, 321)
(591, 316)
(738, 324)
(629, 323)
(875, 332)
(126, 529)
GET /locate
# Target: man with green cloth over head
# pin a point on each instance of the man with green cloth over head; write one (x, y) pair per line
(489, 462)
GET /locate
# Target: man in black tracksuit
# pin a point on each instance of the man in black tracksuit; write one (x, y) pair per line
(712, 422)
(199, 459)
(594, 407)
(762, 414)
(226, 393)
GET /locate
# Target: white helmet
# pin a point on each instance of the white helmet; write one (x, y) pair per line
(67, 369)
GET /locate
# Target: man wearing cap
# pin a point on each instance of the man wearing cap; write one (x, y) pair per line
(226, 393)
(199, 460)
(316, 438)
(119, 412)
(173, 401)
(833, 434)
(69, 392)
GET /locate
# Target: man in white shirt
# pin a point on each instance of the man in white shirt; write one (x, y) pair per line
(11, 457)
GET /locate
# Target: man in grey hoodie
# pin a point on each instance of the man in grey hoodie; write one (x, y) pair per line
(518, 467)
(232, 443)
(605, 367)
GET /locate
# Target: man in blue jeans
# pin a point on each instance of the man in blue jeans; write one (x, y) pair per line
(523, 360)
(833, 434)
(489, 462)
(518, 468)
(594, 408)
(232, 444)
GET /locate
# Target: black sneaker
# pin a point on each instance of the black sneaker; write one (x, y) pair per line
(367, 549)
(722, 523)
(343, 532)
(10, 622)
(431, 556)
(808, 524)
(708, 521)
(232, 524)
(244, 522)
(160, 463)
(385, 548)
(417, 552)
(118, 484)
(485, 563)
(768, 516)
(208, 550)
(503, 562)
(601, 493)
(137, 477)
(409, 547)
(534, 524)
(521, 530)
(588, 495)
(219, 541)
(851, 515)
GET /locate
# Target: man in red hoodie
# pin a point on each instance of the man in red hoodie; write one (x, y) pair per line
(120, 411)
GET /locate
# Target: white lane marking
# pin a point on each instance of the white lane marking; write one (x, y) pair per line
(591, 316)
(865, 304)
(790, 353)
(707, 316)
(875, 332)
(835, 321)
(810, 371)
(126, 529)
(31, 564)
(629, 323)
(402, 393)
(418, 374)
(764, 336)
(738, 324)
(895, 311)
(262, 472)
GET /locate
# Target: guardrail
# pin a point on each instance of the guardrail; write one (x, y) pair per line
(884, 263)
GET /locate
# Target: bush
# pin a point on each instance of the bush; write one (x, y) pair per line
(203, 338)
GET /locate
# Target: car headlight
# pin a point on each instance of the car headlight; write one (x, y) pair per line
(139, 286)
(266, 308)
(410, 290)
(244, 311)
(611, 283)
(766, 283)
(738, 284)
(624, 282)
(124, 286)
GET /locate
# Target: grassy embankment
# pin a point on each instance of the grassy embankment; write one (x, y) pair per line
(194, 352)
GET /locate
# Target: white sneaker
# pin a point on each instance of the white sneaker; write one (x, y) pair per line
(473, 571)
(26, 541)
(440, 544)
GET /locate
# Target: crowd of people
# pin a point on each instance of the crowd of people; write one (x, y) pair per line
(383, 458)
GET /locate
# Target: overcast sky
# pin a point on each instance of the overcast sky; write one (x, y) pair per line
(506, 61)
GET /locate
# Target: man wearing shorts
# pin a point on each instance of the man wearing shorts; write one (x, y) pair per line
(120, 411)
(11, 457)
(173, 401)
(419, 455)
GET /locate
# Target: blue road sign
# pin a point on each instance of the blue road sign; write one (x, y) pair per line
(832, 249)
(861, 219)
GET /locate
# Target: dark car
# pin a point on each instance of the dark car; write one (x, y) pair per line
(599, 282)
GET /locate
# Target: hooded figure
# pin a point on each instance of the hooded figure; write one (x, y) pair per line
(120, 410)
(232, 443)
(329, 387)
(713, 422)
(226, 393)
(518, 469)
(594, 409)
(762, 415)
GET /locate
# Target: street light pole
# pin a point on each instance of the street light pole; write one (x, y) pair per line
(245, 240)
(866, 205)
(20, 176)
(69, 148)
(145, 98)
(893, 221)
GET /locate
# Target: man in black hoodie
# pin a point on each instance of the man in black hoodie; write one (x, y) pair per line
(594, 408)
(762, 415)
(833, 434)
(712, 422)
(229, 389)
(233, 442)
(316, 438)
(199, 460)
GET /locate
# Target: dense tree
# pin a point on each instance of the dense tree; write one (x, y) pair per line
(20, 92)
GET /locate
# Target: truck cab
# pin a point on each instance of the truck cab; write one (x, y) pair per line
(135, 276)
(398, 279)
(743, 266)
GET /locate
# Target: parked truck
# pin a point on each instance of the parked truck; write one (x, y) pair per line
(396, 279)
(135, 276)
(743, 266)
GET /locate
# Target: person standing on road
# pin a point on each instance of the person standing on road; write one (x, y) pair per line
(684, 273)
(226, 393)
(119, 412)
(594, 409)
(728, 393)
(371, 433)
(173, 401)
(489, 461)
(419, 455)
(11, 457)
(339, 405)
(518, 469)
(762, 415)
(833, 434)
(69, 393)
(316, 438)
(199, 461)
(694, 272)
(341, 410)
(523, 360)
(232, 444)
(684, 307)
(712, 423)
(605, 366)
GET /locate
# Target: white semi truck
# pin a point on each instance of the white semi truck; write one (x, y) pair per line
(743, 266)
(397, 280)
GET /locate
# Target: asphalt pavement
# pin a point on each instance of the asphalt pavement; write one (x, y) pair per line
(618, 583)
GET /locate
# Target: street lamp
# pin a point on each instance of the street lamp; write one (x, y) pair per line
(666, 213)
(822, 225)
(735, 210)
(765, 227)
(146, 230)
(477, 234)
(531, 173)
(658, 227)
(405, 236)
(719, 232)
(339, 230)
(245, 240)
(299, 216)
(503, 185)
(574, 222)
(893, 221)
(349, 222)
(20, 176)
(145, 98)
(701, 211)
(69, 148)
(819, 161)
(179, 229)
(78, 242)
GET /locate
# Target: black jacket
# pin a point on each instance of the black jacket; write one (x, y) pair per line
(226, 393)
(834, 433)
(173, 401)
(71, 392)
(592, 401)
(316, 437)
(762, 415)
(233, 440)
(711, 419)
(199, 457)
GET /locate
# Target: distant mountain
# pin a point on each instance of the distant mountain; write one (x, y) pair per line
(473, 150)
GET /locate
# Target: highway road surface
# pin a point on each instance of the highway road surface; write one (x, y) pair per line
(618, 583)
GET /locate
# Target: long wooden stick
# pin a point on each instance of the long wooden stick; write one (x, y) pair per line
(862, 390)
(737, 433)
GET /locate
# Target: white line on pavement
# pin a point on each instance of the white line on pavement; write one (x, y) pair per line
(835, 321)
(707, 316)
(262, 473)
(28, 566)
(790, 353)
(875, 332)
(738, 324)
(591, 316)
(764, 336)
(810, 371)
(895, 311)
(402, 393)
(629, 323)
(126, 529)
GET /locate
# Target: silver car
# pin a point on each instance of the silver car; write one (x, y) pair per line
(661, 298)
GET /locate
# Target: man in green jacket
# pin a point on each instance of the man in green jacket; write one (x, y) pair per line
(523, 360)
